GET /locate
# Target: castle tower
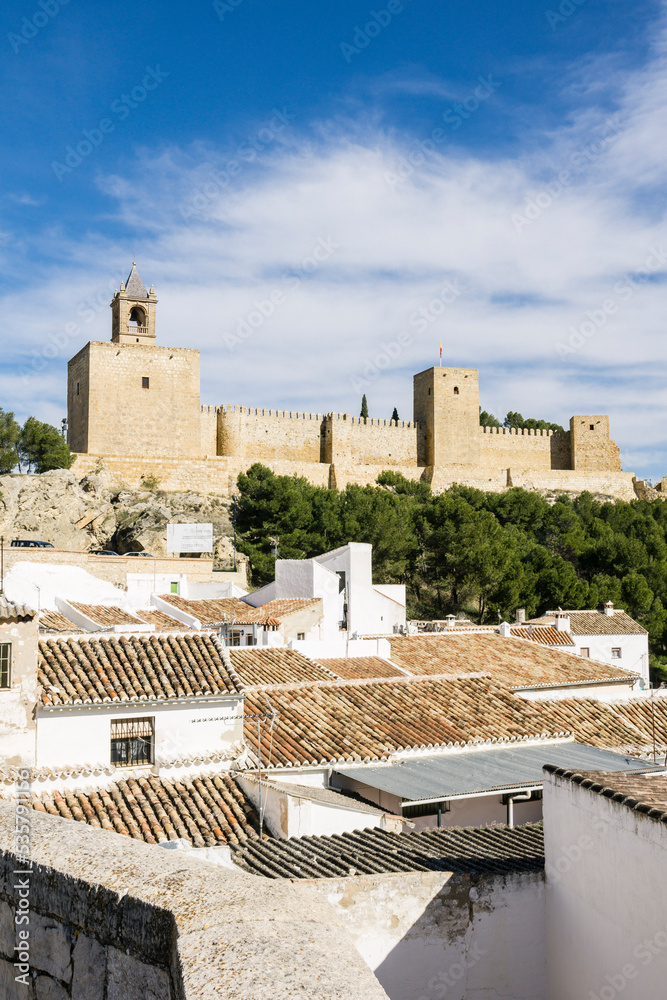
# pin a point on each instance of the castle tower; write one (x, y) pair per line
(128, 397)
(446, 403)
(133, 312)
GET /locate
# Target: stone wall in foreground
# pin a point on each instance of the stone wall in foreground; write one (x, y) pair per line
(110, 918)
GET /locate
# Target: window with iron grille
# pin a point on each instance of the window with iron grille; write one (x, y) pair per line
(5, 664)
(132, 742)
(145, 382)
(616, 652)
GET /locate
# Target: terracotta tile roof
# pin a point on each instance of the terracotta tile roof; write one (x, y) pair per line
(596, 623)
(486, 851)
(645, 793)
(256, 667)
(103, 615)
(162, 622)
(323, 723)
(130, 668)
(356, 667)
(626, 726)
(10, 609)
(54, 621)
(513, 662)
(281, 608)
(235, 610)
(546, 635)
(207, 810)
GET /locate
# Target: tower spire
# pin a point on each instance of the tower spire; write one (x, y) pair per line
(133, 312)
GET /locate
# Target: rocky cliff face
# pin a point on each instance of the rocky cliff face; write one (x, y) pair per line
(98, 512)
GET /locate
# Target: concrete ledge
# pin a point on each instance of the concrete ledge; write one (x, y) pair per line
(166, 926)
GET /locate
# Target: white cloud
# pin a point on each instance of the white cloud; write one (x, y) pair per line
(215, 249)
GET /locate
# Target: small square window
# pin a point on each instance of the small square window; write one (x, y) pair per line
(585, 652)
(616, 652)
(145, 382)
(5, 665)
(132, 742)
(301, 635)
(591, 427)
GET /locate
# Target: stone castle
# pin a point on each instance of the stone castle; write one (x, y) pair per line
(136, 406)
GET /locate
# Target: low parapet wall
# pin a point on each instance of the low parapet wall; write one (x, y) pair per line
(109, 918)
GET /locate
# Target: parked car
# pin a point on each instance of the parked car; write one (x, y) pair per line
(30, 543)
(102, 552)
(146, 555)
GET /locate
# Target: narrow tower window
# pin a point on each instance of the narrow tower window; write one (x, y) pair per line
(456, 390)
(145, 382)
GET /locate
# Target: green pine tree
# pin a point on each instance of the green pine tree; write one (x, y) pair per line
(394, 415)
(9, 437)
(364, 407)
(41, 447)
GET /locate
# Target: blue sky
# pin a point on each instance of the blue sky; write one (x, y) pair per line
(321, 193)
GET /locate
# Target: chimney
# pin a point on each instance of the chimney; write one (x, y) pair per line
(520, 615)
(562, 622)
(608, 608)
(450, 621)
(505, 629)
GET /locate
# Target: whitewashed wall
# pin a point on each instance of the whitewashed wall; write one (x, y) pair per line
(295, 815)
(634, 651)
(82, 735)
(429, 936)
(598, 692)
(606, 890)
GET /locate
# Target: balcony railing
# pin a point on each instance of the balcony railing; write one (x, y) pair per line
(139, 331)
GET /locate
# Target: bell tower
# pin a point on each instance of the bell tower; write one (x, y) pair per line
(133, 312)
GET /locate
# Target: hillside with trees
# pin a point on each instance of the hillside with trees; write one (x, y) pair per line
(484, 554)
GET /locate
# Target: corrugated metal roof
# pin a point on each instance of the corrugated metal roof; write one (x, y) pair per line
(446, 776)
(9, 609)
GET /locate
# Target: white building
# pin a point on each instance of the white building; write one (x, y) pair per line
(608, 636)
(606, 874)
(136, 703)
(343, 579)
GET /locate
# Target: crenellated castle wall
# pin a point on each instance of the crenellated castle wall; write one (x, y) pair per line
(524, 448)
(369, 441)
(268, 435)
